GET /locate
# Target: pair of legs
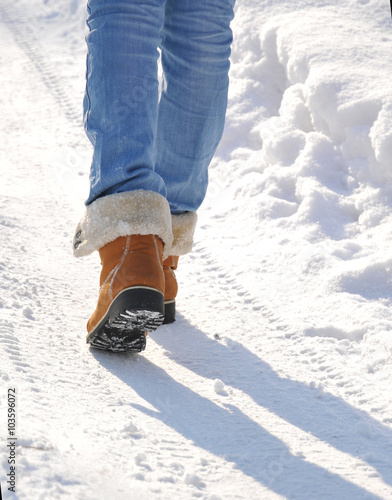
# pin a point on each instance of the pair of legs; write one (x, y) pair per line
(153, 139)
(142, 141)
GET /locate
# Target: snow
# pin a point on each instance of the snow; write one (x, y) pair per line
(274, 382)
(219, 387)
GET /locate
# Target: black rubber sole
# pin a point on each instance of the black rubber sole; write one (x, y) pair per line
(170, 312)
(134, 312)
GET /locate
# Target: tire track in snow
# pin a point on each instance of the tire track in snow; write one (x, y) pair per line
(8, 340)
(27, 40)
(223, 284)
(29, 200)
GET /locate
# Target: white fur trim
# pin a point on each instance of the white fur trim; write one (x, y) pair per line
(183, 226)
(123, 214)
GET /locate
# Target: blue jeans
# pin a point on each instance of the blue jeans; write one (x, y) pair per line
(144, 137)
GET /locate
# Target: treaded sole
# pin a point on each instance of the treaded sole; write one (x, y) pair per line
(170, 312)
(134, 312)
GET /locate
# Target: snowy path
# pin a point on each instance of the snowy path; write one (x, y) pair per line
(286, 297)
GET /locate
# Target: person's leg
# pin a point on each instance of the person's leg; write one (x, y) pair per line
(195, 59)
(127, 217)
(121, 98)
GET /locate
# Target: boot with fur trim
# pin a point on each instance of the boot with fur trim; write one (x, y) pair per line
(183, 227)
(132, 232)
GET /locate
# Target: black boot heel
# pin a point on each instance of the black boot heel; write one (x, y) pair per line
(170, 312)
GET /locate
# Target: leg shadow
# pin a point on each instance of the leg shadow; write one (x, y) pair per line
(227, 433)
(329, 418)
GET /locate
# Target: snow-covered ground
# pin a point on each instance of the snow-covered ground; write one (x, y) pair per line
(275, 380)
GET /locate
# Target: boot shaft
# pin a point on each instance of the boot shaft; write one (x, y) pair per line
(134, 260)
(171, 286)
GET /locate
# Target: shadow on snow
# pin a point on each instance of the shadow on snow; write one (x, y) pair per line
(227, 432)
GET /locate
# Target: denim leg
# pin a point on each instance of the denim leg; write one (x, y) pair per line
(195, 58)
(121, 99)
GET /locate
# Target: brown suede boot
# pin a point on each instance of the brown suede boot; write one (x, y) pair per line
(131, 299)
(171, 288)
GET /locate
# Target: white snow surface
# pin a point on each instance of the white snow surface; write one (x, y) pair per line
(275, 380)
